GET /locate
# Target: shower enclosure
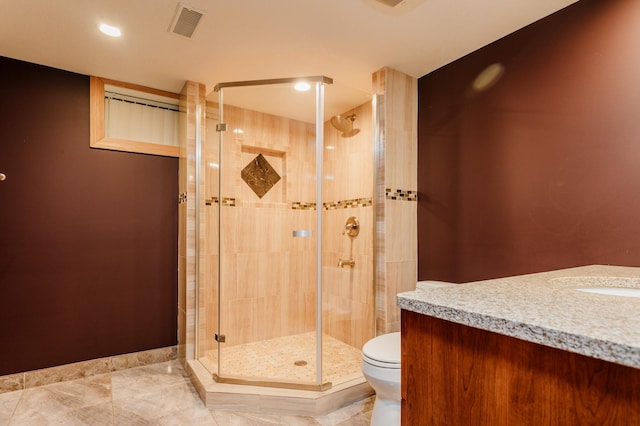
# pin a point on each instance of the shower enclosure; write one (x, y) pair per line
(287, 298)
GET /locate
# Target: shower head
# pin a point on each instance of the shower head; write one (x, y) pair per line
(345, 125)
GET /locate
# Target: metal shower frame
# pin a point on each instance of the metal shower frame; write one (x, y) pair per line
(319, 81)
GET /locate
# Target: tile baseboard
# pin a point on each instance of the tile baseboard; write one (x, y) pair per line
(78, 370)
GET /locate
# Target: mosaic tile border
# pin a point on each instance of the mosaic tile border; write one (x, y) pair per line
(301, 205)
(226, 201)
(401, 194)
(349, 204)
(78, 370)
(334, 205)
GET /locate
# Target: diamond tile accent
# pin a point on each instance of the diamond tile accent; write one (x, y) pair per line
(260, 176)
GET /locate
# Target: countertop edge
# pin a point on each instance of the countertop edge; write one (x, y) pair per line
(584, 345)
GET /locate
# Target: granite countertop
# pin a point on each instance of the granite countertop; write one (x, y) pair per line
(545, 308)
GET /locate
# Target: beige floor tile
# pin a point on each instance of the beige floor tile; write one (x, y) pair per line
(93, 415)
(229, 418)
(363, 419)
(8, 403)
(159, 394)
(192, 416)
(42, 405)
(136, 381)
(355, 414)
(163, 402)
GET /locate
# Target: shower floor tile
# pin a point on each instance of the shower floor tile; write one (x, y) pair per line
(278, 360)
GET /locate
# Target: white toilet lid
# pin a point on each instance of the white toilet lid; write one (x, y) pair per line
(384, 350)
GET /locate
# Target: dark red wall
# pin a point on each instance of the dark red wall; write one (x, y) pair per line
(542, 170)
(88, 238)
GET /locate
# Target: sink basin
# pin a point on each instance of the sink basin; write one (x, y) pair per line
(608, 286)
(612, 291)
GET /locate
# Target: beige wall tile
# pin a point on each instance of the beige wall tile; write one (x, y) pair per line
(395, 151)
(401, 230)
(268, 278)
(192, 94)
(266, 287)
(401, 276)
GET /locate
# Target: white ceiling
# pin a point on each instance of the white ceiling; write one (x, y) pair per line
(346, 40)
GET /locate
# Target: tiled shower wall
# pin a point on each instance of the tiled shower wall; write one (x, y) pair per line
(267, 281)
(354, 176)
(395, 151)
(268, 277)
(348, 293)
(192, 109)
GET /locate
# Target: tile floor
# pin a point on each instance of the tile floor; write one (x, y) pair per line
(158, 394)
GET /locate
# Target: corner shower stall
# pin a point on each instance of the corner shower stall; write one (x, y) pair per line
(286, 291)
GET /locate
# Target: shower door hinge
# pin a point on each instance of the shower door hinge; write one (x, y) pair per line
(221, 127)
(220, 338)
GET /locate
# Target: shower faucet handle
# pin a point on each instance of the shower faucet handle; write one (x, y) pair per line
(352, 227)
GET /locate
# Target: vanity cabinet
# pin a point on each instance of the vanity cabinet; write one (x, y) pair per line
(455, 374)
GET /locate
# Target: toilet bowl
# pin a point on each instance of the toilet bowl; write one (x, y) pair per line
(381, 368)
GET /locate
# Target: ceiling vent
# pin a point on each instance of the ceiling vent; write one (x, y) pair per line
(185, 21)
(391, 3)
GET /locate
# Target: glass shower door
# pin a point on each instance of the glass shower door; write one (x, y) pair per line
(269, 327)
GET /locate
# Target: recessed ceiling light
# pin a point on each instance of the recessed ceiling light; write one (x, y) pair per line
(302, 86)
(110, 30)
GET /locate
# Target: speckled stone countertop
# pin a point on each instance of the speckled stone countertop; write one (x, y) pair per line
(545, 308)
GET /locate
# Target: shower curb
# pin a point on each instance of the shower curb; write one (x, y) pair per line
(268, 400)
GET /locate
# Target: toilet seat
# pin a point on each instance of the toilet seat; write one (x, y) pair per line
(383, 351)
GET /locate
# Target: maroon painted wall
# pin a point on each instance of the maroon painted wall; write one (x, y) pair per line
(88, 238)
(541, 171)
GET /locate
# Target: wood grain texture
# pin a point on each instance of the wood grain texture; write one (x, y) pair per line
(97, 134)
(140, 88)
(458, 375)
(96, 110)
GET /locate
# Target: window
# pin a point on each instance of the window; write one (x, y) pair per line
(132, 118)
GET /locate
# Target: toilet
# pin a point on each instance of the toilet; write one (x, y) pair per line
(381, 368)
